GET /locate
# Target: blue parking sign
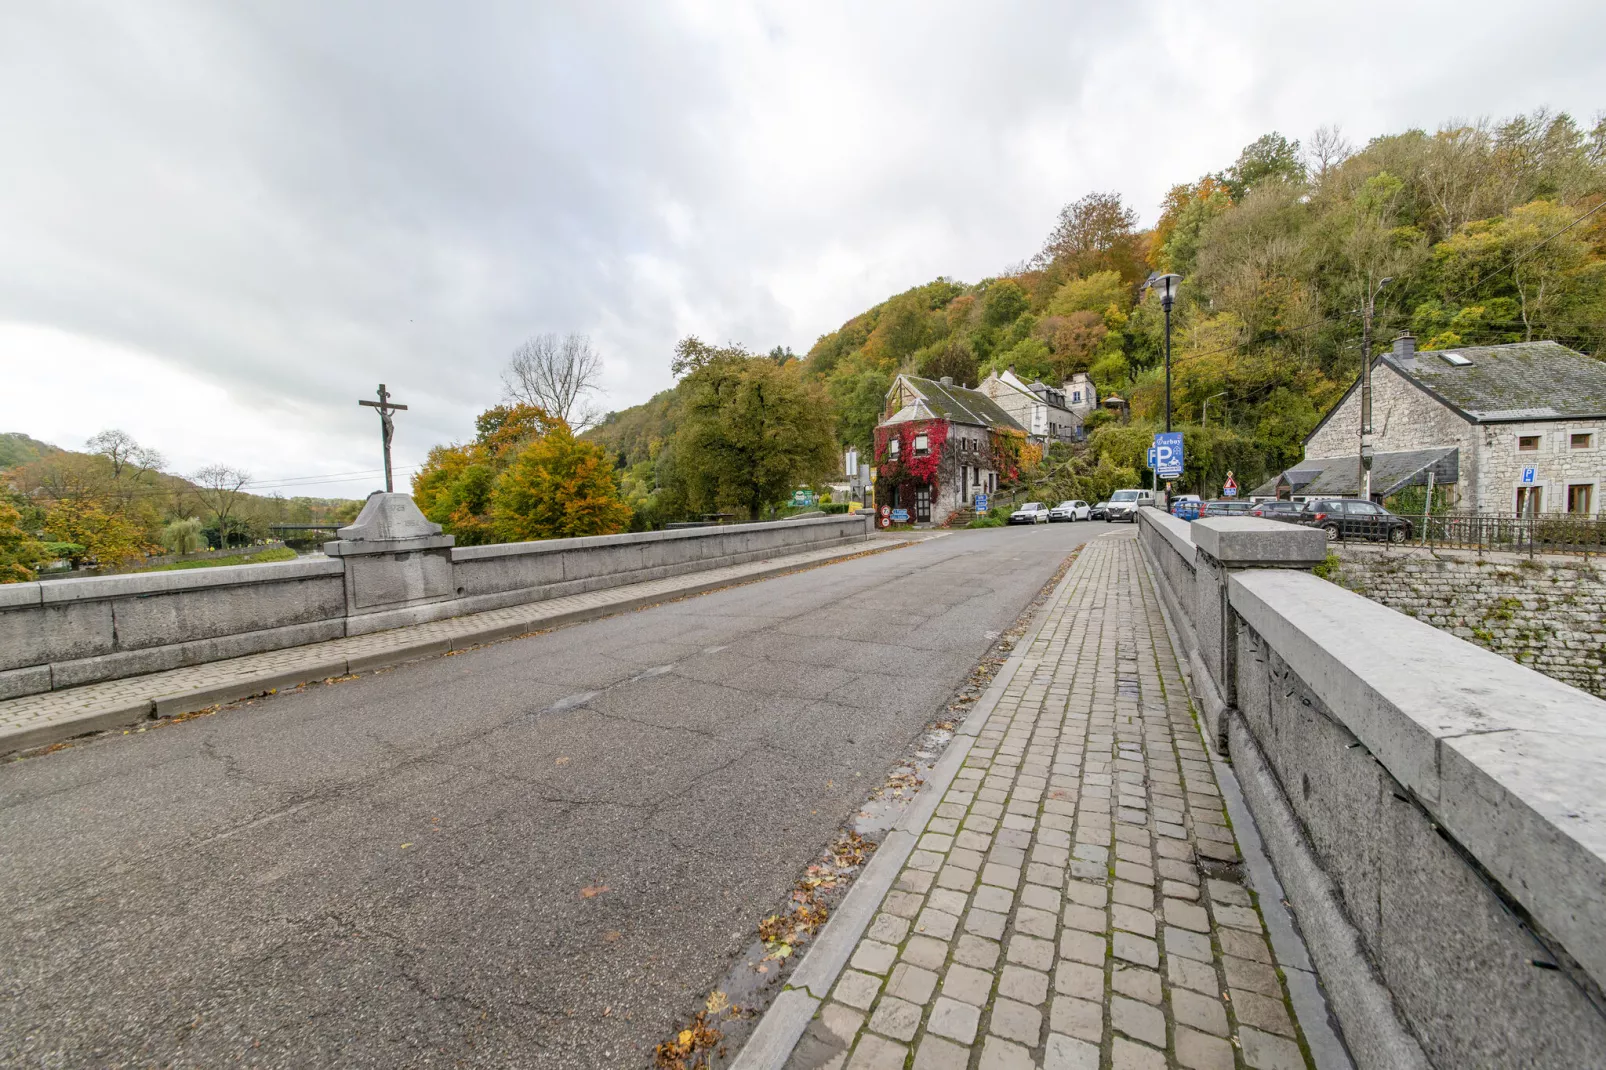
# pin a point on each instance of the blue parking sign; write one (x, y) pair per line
(1530, 476)
(1168, 454)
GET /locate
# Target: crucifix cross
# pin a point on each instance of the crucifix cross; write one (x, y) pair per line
(386, 427)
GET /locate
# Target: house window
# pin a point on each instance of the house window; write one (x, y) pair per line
(1581, 498)
(1583, 442)
(1528, 442)
(892, 448)
(922, 444)
(1076, 395)
(1530, 500)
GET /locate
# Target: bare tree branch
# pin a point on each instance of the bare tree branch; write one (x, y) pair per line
(554, 373)
(220, 489)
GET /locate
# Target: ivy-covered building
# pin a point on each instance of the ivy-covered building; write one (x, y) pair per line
(939, 446)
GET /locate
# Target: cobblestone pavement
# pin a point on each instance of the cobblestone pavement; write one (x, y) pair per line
(1072, 904)
(33, 720)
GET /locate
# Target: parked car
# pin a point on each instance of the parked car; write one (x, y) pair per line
(1100, 511)
(1124, 505)
(1030, 513)
(1224, 507)
(1344, 518)
(1073, 510)
(1287, 512)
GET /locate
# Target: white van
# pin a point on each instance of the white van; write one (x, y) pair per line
(1124, 504)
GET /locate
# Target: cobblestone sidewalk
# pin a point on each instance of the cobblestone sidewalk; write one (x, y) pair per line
(37, 720)
(1073, 902)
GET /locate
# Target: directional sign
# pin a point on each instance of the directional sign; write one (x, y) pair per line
(900, 516)
(981, 503)
(1168, 454)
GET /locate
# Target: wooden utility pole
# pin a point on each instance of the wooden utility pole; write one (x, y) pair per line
(1367, 306)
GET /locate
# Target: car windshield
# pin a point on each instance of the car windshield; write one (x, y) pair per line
(1124, 496)
(1067, 505)
(1031, 507)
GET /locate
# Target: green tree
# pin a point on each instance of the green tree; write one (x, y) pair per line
(955, 357)
(1270, 156)
(752, 432)
(183, 536)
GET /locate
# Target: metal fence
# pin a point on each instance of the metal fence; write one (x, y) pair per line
(1542, 533)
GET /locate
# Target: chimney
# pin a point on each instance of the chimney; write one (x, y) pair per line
(1405, 351)
(946, 380)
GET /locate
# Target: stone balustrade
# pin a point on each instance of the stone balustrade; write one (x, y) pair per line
(1434, 811)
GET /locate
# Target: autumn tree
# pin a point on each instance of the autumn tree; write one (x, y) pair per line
(751, 432)
(454, 487)
(21, 554)
(1095, 233)
(557, 487)
(1270, 157)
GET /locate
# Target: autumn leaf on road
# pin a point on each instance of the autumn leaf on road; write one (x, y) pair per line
(592, 891)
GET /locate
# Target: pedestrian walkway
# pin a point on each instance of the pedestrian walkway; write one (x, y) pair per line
(38, 720)
(1074, 901)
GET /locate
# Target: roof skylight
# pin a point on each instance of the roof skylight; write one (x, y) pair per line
(1455, 358)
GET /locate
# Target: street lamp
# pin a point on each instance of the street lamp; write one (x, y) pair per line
(1367, 310)
(1167, 285)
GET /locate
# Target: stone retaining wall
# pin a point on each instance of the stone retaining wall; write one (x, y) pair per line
(1433, 810)
(1547, 612)
(57, 634)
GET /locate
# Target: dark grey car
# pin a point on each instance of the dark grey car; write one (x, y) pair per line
(1354, 518)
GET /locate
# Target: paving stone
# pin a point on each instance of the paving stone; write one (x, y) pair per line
(873, 957)
(967, 984)
(1186, 916)
(999, 1054)
(916, 881)
(1134, 948)
(1138, 1020)
(877, 1053)
(1040, 923)
(1247, 974)
(936, 924)
(997, 900)
(895, 1018)
(1068, 1053)
(902, 904)
(1026, 986)
(953, 1019)
(1199, 1011)
(1129, 1055)
(1016, 1021)
(1077, 979)
(1244, 945)
(1086, 919)
(977, 952)
(857, 989)
(1262, 1051)
(1199, 1051)
(1262, 1012)
(1189, 973)
(1133, 919)
(911, 983)
(986, 923)
(1087, 895)
(889, 929)
(1035, 896)
(1136, 982)
(1135, 895)
(1236, 917)
(1188, 945)
(936, 1053)
(1030, 951)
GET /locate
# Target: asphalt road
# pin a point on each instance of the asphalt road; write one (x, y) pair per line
(391, 871)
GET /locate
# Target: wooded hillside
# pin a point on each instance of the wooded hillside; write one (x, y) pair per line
(1490, 232)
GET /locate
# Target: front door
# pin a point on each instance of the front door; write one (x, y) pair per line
(923, 504)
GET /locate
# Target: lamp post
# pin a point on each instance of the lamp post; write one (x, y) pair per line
(1366, 384)
(1167, 285)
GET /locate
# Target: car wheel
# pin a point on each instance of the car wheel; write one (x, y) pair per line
(1397, 535)
(1331, 531)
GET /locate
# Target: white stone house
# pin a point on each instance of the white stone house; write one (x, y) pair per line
(938, 447)
(1517, 428)
(1042, 410)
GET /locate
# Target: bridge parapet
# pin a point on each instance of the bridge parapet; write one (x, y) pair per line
(1436, 812)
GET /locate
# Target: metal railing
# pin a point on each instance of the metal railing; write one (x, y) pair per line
(1551, 533)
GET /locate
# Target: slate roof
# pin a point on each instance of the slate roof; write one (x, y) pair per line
(1340, 476)
(1520, 381)
(957, 403)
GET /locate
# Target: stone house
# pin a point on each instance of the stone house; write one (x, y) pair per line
(1044, 411)
(1517, 428)
(939, 446)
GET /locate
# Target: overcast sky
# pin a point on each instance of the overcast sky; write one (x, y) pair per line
(222, 223)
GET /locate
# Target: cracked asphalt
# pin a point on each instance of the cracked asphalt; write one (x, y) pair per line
(403, 869)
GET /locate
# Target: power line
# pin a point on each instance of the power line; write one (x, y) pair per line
(1514, 261)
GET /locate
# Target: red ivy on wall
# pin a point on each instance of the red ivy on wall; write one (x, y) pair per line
(909, 467)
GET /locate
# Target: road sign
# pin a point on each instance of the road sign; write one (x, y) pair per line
(1168, 454)
(981, 503)
(886, 510)
(1151, 458)
(1530, 476)
(900, 516)
(1229, 489)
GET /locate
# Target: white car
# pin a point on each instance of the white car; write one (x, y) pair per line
(1030, 513)
(1074, 510)
(1124, 505)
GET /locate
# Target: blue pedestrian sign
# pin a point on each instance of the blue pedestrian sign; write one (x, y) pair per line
(1530, 476)
(1168, 454)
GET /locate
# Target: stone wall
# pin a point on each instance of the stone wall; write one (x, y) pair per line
(1556, 463)
(1432, 810)
(1547, 612)
(56, 634)
(1403, 418)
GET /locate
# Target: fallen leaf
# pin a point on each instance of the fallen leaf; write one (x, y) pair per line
(613, 935)
(717, 1001)
(405, 846)
(592, 891)
(562, 761)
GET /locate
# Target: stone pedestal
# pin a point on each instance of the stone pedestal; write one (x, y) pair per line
(395, 558)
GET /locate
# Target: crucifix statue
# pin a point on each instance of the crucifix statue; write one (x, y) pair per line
(386, 427)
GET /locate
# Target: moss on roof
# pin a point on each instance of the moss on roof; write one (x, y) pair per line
(1521, 381)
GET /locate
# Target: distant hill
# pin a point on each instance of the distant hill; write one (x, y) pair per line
(17, 448)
